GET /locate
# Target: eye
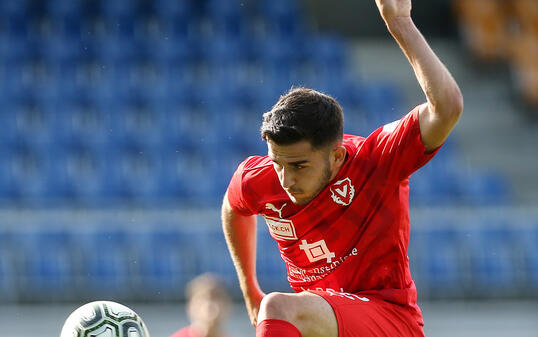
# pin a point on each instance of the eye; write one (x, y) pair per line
(299, 167)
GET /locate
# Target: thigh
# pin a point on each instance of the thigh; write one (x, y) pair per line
(369, 316)
(308, 312)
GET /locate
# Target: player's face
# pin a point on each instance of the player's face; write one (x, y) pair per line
(206, 309)
(303, 172)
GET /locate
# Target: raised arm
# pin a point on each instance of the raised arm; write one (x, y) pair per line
(240, 233)
(444, 104)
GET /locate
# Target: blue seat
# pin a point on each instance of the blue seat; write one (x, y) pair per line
(165, 261)
(46, 262)
(66, 17)
(188, 176)
(106, 261)
(188, 127)
(218, 261)
(83, 124)
(487, 188)
(271, 268)
(173, 10)
(381, 101)
(442, 262)
(275, 51)
(61, 50)
(120, 16)
(328, 51)
(8, 188)
(13, 8)
(283, 17)
(32, 174)
(13, 20)
(173, 50)
(525, 238)
(60, 8)
(223, 51)
(226, 16)
(491, 257)
(85, 173)
(133, 173)
(8, 265)
(137, 124)
(13, 50)
(115, 51)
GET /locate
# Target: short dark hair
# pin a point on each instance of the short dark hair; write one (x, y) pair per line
(304, 114)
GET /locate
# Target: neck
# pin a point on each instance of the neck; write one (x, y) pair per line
(204, 331)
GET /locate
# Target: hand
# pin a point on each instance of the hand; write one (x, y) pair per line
(394, 8)
(253, 306)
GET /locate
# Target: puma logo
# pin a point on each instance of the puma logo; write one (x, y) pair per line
(274, 209)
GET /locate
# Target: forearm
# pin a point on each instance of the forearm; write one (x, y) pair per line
(441, 90)
(240, 234)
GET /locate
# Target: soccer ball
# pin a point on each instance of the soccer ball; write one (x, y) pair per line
(104, 319)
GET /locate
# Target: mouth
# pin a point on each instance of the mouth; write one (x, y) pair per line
(294, 193)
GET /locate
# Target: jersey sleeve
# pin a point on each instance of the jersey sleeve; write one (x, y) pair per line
(236, 198)
(397, 147)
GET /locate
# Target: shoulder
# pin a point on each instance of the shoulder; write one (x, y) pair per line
(255, 168)
(185, 332)
(255, 171)
(353, 144)
(352, 141)
(256, 163)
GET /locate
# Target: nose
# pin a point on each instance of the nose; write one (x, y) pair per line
(287, 179)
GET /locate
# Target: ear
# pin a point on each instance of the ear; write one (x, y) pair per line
(339, 155)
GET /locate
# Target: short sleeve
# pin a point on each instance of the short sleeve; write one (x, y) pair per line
(397, 147)
(235, 192)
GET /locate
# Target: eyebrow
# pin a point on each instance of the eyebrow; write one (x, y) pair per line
(298, 162)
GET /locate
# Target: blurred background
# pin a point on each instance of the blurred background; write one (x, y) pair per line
(123, 120)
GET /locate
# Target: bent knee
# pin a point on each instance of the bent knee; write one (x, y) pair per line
(277, 306)
(310, 313)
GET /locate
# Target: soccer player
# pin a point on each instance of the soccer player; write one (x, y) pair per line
(337, 205)
(208, 305)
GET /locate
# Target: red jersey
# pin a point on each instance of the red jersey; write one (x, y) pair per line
(353, 236)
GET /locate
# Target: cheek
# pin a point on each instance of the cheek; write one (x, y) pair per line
(312, 178)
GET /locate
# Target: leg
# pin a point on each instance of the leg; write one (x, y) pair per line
(308, 312)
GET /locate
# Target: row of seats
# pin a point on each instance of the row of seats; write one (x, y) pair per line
(475, 258)
(157, 102)
(488, 260)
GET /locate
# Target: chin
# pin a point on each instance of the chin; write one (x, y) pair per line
(300, 201)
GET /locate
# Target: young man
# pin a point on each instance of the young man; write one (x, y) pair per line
(208, 305)
(337, 205)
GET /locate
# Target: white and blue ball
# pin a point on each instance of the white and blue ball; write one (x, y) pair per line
(104, 319)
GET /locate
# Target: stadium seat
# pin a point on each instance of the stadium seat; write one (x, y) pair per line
(271, 268)
(491, 256)
(436, 256)
(173, 10)
(8, 273)
(188, 176)
(166, 261)
(527, 251)
(106, 263)
(47, 269)
(219, 261)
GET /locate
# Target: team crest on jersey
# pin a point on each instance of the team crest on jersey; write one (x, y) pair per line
(281, 228)
(342, 192)
(317, 251)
